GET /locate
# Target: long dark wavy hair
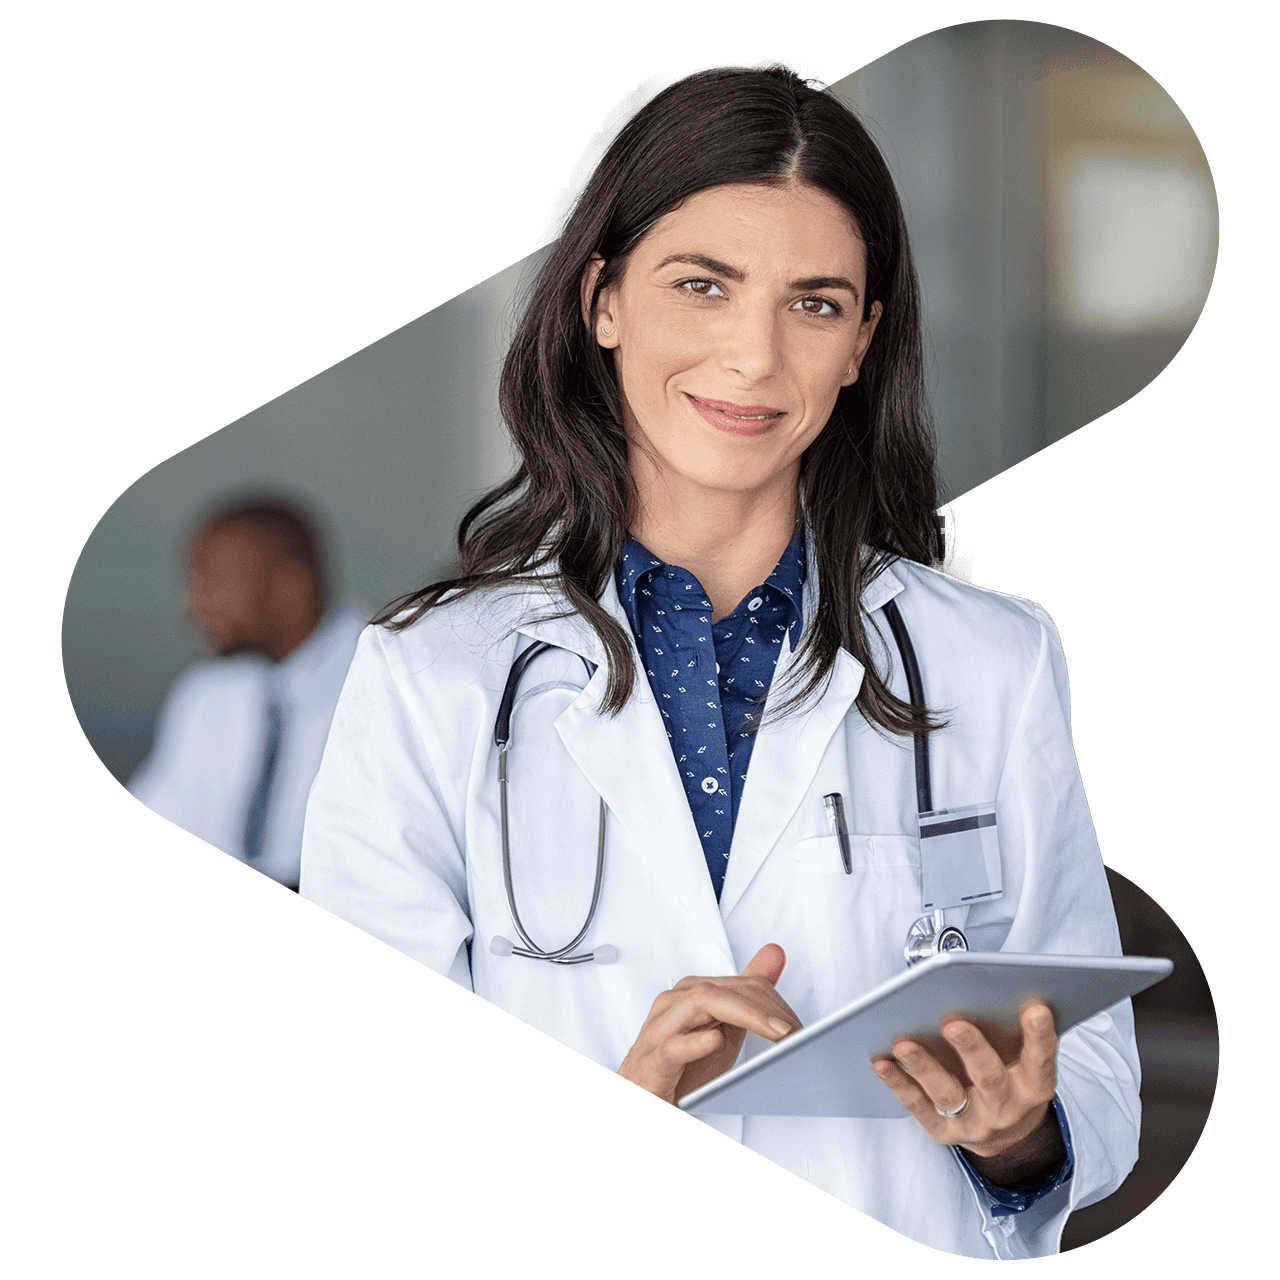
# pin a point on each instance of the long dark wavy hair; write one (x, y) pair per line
(867, 490)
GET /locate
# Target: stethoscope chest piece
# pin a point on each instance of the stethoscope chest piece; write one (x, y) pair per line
(929, 936)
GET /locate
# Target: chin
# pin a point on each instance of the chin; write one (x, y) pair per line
(738, 474)
(719, 462)
(228, 646)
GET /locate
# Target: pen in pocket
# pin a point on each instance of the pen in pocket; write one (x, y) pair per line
(835, 819)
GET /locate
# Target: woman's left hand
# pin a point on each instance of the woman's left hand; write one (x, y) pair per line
(1005, 1103)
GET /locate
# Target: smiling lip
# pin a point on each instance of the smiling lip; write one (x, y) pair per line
(737, 419)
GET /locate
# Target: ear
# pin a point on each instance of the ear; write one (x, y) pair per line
(866, 331)
(606, 331)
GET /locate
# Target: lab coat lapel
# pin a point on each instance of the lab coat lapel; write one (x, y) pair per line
(628, 760)
(788, 752)
(783, 765)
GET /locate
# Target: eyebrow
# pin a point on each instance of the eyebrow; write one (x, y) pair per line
(716, 267)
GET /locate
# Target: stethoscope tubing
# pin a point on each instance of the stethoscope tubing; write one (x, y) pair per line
(915, 692)
(531, 950)
(502, 737)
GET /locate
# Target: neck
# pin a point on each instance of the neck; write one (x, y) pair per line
(730, 540)
(291, 635)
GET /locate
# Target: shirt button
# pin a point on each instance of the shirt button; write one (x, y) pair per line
(754, 603)
(710, 785)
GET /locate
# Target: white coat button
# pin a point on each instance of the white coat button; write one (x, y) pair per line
(709, 785)
(754, 603)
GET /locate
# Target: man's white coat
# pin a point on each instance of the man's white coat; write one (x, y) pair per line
(206, 761)
(403, 839)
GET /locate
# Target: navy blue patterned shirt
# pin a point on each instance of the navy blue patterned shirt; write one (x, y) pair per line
(710, 678)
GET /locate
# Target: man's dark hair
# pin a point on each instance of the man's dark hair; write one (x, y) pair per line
(294, 529)
(867, 493)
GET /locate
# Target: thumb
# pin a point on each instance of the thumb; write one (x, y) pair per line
(769, 962)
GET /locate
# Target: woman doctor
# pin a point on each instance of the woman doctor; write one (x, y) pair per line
(727, 490)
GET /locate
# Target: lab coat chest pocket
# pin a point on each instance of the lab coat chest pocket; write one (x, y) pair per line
(857, 923)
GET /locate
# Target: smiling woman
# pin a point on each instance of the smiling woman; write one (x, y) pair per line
(866, 482)
(778, 312)
(724, 510)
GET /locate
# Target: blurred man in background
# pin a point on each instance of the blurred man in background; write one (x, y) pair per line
(239, 739)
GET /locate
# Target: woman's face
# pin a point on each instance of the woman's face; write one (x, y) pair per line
(734, 326)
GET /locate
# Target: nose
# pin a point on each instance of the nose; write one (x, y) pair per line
(752, 345)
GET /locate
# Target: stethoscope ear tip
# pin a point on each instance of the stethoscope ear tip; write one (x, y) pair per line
(501, 946)
(606, 954)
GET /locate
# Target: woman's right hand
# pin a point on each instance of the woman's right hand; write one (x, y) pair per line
(694, 1031)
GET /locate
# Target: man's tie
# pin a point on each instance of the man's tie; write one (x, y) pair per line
(256, 821)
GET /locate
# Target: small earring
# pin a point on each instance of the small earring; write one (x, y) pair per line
(605, 333)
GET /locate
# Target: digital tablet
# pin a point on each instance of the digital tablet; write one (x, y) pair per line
(825, 1069)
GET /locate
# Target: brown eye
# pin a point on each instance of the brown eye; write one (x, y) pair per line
(703, 288)
(818, 307)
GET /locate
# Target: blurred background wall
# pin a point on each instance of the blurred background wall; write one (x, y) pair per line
(1064, 224)
(389, 447)
(1065, 230)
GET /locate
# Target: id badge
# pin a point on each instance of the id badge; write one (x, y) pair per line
(959, 857)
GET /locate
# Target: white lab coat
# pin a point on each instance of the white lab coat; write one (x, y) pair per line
(206, 759)
(403, 839)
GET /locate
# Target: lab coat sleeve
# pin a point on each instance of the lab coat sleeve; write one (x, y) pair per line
(381, 847)
(1064, 907)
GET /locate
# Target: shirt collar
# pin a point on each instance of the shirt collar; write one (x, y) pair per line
(634, 567)
(637, 562)
(788, 575)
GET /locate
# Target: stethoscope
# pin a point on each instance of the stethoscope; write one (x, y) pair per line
(500, 946)
(930, 935)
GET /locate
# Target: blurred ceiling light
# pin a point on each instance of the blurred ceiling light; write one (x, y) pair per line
(1136, 243)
